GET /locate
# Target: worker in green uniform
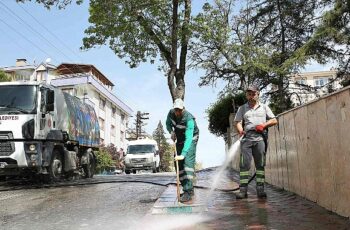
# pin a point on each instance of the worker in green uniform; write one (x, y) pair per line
(183, 129)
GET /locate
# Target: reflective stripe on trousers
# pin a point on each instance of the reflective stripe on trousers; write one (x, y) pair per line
(186, 166)
(249, 150)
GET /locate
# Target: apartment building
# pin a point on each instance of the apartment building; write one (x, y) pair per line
(22, 71)
(87, 83)
(308, 86)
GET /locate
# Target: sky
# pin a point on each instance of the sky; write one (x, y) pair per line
(30, 31)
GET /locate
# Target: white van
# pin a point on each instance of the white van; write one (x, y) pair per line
(142, 154)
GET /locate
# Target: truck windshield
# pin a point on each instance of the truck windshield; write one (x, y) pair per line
(137, 149)
(17, 99)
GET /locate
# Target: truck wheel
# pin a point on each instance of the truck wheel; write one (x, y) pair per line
(154, 170)
(56, 166)
(158, 169)
(127, 171)
(134, 171)
(89, 169)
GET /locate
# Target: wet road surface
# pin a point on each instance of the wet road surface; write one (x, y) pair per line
(109, 205)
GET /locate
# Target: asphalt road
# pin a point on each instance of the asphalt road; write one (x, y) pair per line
(105, 202)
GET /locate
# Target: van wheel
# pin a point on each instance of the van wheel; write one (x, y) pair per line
(127, 171)
(134, 171)
(56, 166)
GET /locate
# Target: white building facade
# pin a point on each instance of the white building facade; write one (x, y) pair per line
(308, 86)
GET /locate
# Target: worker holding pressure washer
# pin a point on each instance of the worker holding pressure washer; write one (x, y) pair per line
(183, 129)
(252, 120)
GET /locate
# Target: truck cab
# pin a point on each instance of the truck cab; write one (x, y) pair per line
(142, 154)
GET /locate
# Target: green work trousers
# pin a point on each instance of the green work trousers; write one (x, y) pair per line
(187, 166)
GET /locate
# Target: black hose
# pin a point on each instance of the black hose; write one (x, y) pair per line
(112, 181)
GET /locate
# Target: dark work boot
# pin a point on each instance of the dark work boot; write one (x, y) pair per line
(190, 191)
(186, 197)
(260, 191)
(242, 193)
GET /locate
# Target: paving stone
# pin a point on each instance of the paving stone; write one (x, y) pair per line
(281, 209)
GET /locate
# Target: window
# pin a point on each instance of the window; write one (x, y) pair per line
(70, 91)
(114, 110)
(102, 103)
(102, 123)
(21, 78)
(112, 130)
(139, 149)
(320, 81)
(122, 136)
(301, 81)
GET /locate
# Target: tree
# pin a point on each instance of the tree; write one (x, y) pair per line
(226, 46)
(141, 31)
(105, 159)
(219, 113)
(165, 149)
(331, 40)
(61, 4)
(144, 30)
(4, 76)
(261, 43)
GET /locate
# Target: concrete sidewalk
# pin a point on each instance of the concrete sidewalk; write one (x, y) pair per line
(281, 210)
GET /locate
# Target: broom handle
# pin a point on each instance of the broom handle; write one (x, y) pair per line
(177, 181)
(177, 176)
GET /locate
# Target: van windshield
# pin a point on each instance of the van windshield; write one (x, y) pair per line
(137, 149)
(16, 99)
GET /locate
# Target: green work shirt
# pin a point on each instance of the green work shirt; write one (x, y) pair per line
(185, 128)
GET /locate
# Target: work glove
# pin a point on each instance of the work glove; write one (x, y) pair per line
(241, 133)
(260, 128)
(179, 158)
(173, 136)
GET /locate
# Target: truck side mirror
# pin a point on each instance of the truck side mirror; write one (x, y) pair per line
(50, 100)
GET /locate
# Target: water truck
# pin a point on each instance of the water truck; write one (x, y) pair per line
(45, 132)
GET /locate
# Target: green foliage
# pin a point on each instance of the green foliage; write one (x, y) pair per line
(4, 76)
(143, 31)
(277, 100)
(165, 149)
(262, 42)
(104, 160)
(219, 112)
(226, 46)
(331, 40)
(345, 81)
(61, 4)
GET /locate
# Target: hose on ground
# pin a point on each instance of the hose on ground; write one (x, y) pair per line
(40, 186)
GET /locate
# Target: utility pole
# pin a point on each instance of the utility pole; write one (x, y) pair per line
(139, 122)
